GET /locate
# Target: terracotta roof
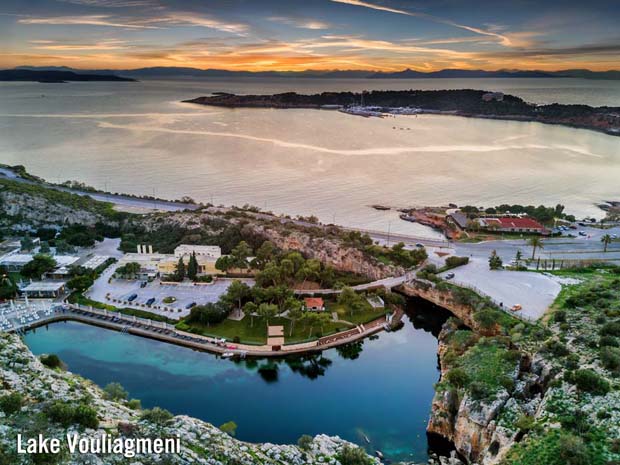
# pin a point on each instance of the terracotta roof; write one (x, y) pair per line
(313, 302)
(517, 223)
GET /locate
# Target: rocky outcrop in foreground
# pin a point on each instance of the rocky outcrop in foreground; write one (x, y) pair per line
(42, 390)
(483, 430)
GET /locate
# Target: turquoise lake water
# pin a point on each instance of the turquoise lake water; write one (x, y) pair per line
(385, 393)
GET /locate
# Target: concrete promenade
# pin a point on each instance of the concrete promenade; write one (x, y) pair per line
(165, 332)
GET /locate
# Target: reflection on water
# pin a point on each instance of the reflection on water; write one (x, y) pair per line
(380, 388)
(138, 138)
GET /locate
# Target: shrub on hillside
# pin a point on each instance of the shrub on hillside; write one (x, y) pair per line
(353, 456)
(608, 341)
(114, 391)
(11, 403)
(305, 442)
(487, 318)
(610, 358)
(556, 348)
(157, 415)
(67, 414)
(51, 361)
(559, 316)
(457, 377)
(611, 328)
(588, 380)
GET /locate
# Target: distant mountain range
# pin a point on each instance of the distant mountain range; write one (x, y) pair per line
(178, 72)
(56, 75)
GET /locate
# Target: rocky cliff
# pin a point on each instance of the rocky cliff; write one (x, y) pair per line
(38, 211)
(30, 203)
(474, 425)
(483, 430)
(487, 382)
(41, 388)
(322, 243)
(329, 250)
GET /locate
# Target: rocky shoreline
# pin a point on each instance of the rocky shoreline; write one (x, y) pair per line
(201, 443)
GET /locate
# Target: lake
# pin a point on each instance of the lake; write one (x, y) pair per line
(138, 138)
(383, 392)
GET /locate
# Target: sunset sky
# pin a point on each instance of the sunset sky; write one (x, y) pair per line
(311, 34)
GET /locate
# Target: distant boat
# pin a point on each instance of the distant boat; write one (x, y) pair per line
(228, 354)
(379, 454)
(380, 207)
(366, 438)
(406, 217)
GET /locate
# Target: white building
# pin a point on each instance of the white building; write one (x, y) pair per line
(153, 264)
(16, 261)
(207, 251)
(43, 289)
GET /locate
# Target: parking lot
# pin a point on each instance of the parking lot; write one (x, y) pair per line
(533, 291)
(117, 292)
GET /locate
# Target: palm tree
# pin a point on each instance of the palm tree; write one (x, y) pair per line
(606, 240)
(536, 243)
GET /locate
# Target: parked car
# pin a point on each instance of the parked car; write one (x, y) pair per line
(190, 305)
(151, 301)
(143, 284)
(132, 297)
(419, 245)
(583, 233)
(450, 276)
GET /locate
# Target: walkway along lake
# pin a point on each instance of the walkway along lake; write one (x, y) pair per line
(380, 388)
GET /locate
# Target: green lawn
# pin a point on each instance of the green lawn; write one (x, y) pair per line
(256, 332)
(365, 316)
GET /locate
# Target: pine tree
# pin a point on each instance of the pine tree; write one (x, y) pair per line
(495, 262)
(180, 270)
(192, 267)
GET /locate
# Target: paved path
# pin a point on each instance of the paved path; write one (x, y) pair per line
(387, 283)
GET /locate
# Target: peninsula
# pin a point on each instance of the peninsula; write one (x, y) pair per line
(56, 76)
(464, 102)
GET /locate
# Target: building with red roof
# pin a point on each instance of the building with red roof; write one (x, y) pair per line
(513, 224)
(314, 303)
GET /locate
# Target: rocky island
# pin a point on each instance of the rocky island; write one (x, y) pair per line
(466, 102)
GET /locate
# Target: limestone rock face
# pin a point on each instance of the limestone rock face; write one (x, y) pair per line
(38, 211)
(471, 425)
(474, 425)
(332, 252)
